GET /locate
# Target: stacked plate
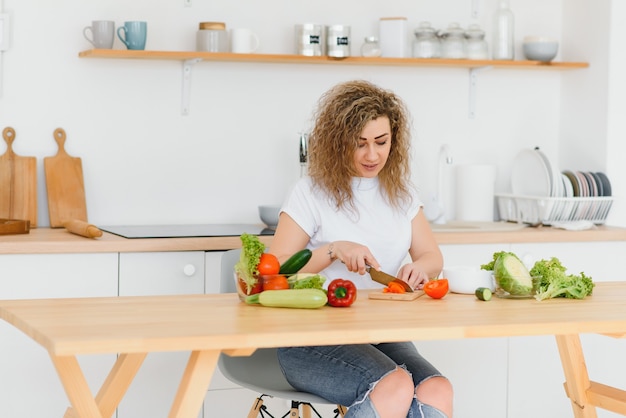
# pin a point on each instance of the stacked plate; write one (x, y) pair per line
(586, 184)
(533, 175)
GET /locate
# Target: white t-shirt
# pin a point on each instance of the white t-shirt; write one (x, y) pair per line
(385, 230)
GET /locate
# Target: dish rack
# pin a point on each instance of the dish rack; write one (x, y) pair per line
(536, 210)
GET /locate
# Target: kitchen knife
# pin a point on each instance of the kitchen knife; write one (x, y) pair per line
(384, 278)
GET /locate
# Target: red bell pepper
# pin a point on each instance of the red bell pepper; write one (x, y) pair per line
(341, 293)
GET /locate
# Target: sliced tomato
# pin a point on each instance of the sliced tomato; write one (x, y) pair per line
(268, 264)
(394, 287)
(437, 288)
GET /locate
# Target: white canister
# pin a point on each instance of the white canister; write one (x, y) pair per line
(309, 39)
(338, 41)
(475, 187)
(392, 35)
(212, 37)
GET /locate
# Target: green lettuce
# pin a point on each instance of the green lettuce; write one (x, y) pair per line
(556, 283)
(251, 250)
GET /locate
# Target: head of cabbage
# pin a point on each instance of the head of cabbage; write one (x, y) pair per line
(511, 275)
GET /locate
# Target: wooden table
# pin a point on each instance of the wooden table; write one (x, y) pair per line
(206, 325)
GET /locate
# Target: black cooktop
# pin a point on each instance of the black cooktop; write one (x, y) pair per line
(186, 231)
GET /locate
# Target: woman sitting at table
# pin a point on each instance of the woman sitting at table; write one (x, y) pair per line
(356, 209)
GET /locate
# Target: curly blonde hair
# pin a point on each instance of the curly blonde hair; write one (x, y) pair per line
(341, 116)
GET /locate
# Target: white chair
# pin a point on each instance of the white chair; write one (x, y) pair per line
(261, 372)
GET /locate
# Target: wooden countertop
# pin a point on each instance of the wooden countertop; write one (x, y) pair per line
(56, 241)
(220, 321)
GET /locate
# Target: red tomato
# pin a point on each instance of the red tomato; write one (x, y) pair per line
(275, 283)
(437, 288)
(268, 264)
(243, 287)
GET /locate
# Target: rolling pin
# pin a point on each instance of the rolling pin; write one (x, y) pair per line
(82, 228)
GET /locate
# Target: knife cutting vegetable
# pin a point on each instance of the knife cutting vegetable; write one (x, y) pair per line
(386, 279)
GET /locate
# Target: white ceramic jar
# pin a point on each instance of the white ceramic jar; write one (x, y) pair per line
(212, 37)
(392, 35)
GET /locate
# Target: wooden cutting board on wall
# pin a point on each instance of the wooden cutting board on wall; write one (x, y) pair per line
(65, 185)
(18, 183)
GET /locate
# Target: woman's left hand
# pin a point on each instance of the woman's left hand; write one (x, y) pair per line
(412, 274)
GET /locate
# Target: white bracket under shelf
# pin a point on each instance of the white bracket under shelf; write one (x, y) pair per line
(475, 6)
(473, 81)
(187, 65)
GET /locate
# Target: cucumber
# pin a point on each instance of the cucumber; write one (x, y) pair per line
(483, 293)
(290, 298)
(296, 262)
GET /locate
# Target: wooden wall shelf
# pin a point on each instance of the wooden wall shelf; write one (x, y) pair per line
(300, 59)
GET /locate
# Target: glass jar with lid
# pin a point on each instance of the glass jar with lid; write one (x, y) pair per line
(426, 43)
(371, 47)
(476, 43)
(453, 42)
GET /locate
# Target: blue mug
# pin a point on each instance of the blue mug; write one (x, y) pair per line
(135, 34)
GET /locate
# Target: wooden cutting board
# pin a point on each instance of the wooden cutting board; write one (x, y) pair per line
(65, 185)
(396, 296)
(18, 183)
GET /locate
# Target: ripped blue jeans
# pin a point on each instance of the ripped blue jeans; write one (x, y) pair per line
(345, 374)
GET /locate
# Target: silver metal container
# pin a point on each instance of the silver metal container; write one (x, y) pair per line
(338, 41)
(309, 39)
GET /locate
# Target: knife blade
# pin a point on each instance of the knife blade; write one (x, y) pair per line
(384, 278)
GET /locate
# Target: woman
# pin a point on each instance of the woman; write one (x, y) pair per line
(356, 209)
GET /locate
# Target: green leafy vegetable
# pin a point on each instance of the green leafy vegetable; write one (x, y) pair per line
(512, 275)
(306, 281)
(489, 266)
(556, 283)
(251, 250)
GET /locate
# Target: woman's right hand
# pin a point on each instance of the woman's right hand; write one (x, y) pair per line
(355, 256)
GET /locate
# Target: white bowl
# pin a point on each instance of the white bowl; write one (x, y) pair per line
(466, 279)
(269, 215)
(537, 48)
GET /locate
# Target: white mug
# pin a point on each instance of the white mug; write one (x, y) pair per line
(102, 33)
(243, 41)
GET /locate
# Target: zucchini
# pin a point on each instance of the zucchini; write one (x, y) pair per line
(483, 293)
(290, 298)
(296, 262)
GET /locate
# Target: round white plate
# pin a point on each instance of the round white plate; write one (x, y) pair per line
(529, 175)
(567, 184)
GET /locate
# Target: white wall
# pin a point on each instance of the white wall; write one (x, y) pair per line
(145, 163)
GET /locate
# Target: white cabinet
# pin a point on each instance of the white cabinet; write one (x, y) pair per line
(25, 367)
(158, 273)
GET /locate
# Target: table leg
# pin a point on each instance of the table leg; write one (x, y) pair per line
(110, 394)
(76, 386)
(576, 376)
(194, 384)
